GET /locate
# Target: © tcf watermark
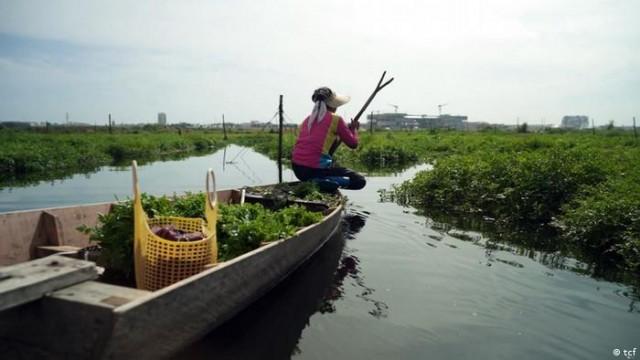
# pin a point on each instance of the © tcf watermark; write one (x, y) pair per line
(629, 354)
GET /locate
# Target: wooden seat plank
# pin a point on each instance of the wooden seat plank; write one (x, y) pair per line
(29, 281)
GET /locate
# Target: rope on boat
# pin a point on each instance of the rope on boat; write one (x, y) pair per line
(251, 170)
(238, 154)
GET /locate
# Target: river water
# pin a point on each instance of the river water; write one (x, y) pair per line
(392, 284)
(233, 166)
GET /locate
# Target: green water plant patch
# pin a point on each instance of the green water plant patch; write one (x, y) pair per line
(240, 228)
(585, 187)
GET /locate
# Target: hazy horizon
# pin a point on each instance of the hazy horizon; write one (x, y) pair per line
(494, 61)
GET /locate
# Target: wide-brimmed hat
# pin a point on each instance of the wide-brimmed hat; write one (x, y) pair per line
(329, 97)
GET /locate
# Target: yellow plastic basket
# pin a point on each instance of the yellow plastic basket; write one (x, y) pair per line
(160, 262)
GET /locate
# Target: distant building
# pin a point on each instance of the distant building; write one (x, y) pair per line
(162, 119)
(442, 122)
(392, 121)
(15, 124)
(478, 126)
(406, 121)
(575, 122)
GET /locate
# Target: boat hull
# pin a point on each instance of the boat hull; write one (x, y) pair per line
(92, 320)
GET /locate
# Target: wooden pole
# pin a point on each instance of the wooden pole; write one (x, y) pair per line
(110, 123)
(224, 128)
(379, 87)
(593, 126)
(371, 124)
(224, 158)
(280, 120)
(635, 131)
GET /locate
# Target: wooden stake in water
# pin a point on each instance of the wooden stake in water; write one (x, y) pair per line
(371, 123)
(224, 128)
(280, 119)
(224, 158)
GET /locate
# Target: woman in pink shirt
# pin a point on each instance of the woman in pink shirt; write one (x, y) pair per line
(311, 158)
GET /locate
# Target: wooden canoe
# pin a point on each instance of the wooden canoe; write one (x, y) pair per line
(94, 320)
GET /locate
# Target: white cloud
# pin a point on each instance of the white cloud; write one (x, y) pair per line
(492, 60)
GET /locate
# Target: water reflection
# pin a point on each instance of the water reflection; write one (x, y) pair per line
(271, 327)
(158, 178)
(349, 268)
(86, 170)
(539, 244)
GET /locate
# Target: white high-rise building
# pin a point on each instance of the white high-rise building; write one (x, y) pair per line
(575, 122)
(162, 119)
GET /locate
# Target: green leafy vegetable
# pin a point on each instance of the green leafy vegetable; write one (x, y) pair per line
(239, 228)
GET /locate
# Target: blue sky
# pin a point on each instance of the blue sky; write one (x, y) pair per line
(492, 60)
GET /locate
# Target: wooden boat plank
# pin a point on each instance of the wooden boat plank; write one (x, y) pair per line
(55, 328)
(30, 281)
(42, 251)
(20, 228)
(99, 294)
(24, 231)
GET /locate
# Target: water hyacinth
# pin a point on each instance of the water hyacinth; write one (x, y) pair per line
(240, 228)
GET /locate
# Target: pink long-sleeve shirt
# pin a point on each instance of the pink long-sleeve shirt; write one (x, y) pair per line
(312, 145)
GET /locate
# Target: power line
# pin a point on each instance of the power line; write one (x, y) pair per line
(287, 116)
(238, 154)
(257, 177)
(249, 177)
(269, 122)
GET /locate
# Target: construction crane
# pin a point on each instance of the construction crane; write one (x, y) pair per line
(440, 108)
(395, 107)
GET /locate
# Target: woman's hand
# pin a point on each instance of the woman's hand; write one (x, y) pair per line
(354, 125)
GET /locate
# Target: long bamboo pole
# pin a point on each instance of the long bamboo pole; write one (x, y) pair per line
(280, 120)
(354, 122)
(224, 128)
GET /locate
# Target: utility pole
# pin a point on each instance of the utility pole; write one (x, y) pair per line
(224, 128)
(224, 157)
(635, 131)
(593, 126)
(371, 123)
(280, 120)
(440, 109)
(110, 123)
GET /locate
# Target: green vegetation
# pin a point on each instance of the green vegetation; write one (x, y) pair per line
(29, 156)
(380, 151)
(240, 229)
(578, 191)
(281, 194)
(244, 228)
(585, 187)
